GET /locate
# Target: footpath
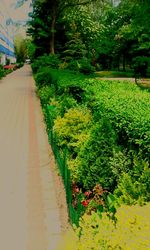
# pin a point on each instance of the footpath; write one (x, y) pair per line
(30, 216)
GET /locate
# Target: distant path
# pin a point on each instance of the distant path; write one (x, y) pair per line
(144, 83)
(117, 79)
(30, 217)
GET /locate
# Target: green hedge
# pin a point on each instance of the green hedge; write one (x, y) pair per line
(128, 110)
(45, 61)
(113, 148)
(2, 72)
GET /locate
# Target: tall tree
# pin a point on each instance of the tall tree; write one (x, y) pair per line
(20, 48)
(53, 11)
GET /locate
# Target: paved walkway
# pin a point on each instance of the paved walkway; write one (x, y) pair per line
(29, 214)
(118, 79)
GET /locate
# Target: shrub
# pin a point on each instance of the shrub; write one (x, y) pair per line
(51, 61)
(130, 232)
(105, 149)
(85, 67)
(105, 127)
(71, 129)
(73, 65)
(120, 163)
(2, 72)
(46, 77)
(127, 108)
(45, 93)
(133, 186)
(95, 156)
(82, 65)
(63, 104)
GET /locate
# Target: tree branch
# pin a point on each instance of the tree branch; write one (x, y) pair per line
(76, 4)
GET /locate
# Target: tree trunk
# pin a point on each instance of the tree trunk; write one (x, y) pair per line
(93, 58)
(52, 40)
(119, 63)
(110, 63)
(124, 62)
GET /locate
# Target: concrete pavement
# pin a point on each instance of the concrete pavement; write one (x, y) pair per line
(29, 212)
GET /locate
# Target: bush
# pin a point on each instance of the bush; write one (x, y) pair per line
(45, 93)
(63, 104)
(85, 67)
(71, 129)
(104, 126)
(127, 108)
(94, 157)
(51, 61)
(82, 65)
(2, 72)
(73, 65)
(117, 134)
(120, 163)
(133, 186)
(46, 77)
(130, 232)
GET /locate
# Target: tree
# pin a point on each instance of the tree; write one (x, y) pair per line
(112, 33)
(134, 33)
(47, 15)
(126, 33)
(20, 48)
(82, 32)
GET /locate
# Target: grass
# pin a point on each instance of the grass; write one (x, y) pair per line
(108, 74)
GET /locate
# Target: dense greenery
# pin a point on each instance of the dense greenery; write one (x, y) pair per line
(130, 232)
(90, 35)
(24, 48)
(105, 128)
(102, 126)
(2, 72)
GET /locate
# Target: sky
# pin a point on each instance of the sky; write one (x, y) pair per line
(20, 13)
(17, 14)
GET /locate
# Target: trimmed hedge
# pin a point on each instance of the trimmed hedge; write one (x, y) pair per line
(2, 72)
(115, 144)
(117, 137)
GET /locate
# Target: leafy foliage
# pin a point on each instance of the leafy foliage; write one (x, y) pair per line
(133, 186)
(2, 72)
(45, 61)
(130, 232)
(71, 129)
(45, 93)
(95, 155)
(127, 108)
(105, 128)
(46, 77)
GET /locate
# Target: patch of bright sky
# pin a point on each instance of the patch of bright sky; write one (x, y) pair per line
(17, 14)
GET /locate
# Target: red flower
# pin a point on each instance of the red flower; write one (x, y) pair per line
(87, 193)
(76, 190)
(85, 203)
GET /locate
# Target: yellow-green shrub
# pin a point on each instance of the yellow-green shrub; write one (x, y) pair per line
(131, 232)
(71, 130)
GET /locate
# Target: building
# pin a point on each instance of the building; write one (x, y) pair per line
(6, 37)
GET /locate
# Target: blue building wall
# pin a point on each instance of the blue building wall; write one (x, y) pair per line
(6, 37)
